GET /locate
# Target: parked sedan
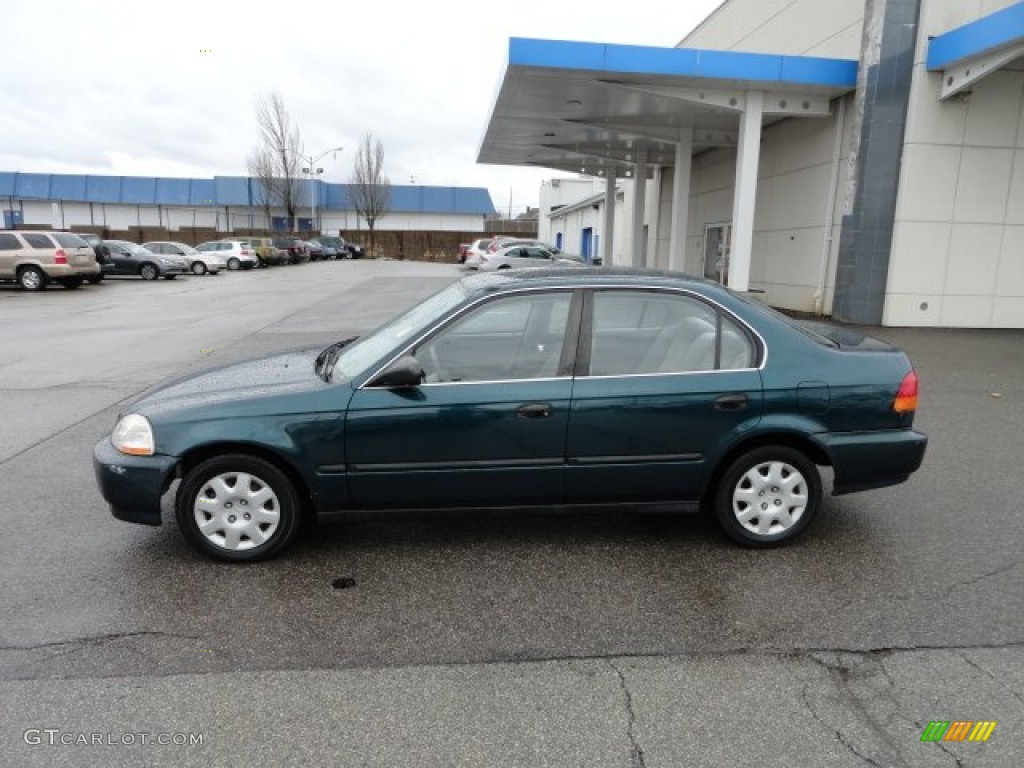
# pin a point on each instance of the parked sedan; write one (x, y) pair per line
(523, 257)
(526, 388)
(132, 259)
(198, 262)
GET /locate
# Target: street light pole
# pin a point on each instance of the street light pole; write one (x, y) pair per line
(313, 172)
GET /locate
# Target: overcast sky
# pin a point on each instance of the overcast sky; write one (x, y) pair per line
(169, 88)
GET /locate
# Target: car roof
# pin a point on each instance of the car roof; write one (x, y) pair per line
(574, 277)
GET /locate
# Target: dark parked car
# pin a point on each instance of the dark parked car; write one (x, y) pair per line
(527, 388)
(343, 248)
(295, 248)
(315, 250)
(102, 256)
(132, 259)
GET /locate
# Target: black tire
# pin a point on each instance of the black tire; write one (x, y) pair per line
(94, 279)
(229, 537)
(32, 278)
(759, 478)
(198, 268)
(71, 283)
(149, 271)
(234, 264)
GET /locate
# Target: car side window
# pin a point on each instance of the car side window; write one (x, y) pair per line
(38, 241)
(9, 243)
(511, 338)
(644, 332)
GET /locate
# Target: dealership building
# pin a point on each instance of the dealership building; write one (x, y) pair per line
(862, 159)
(225, 204)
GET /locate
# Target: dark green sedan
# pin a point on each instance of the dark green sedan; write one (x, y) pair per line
(526, 389)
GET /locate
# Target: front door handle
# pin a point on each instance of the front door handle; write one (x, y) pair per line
(735, 402)
(534, 411)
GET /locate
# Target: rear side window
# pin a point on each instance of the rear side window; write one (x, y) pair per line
(38, 241)
(67, 240)
(636, 332)
(9, 242)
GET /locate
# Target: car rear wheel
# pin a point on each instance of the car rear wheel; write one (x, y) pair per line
(149, 272)
(234, 264)
(238, 508)
(32, 278)
(768, 496)
(95, 279)
(198, 268)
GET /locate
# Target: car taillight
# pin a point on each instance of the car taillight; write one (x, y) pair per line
(61, 257)
(906, 397)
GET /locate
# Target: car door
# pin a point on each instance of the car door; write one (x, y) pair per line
(10, 249)
(663, 378)
(122, 259)
(488, 424)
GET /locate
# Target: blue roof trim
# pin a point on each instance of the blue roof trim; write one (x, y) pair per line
(228, 190)
(682, 62)
(997, 30)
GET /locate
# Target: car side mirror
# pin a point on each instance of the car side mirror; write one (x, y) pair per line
(406, 371)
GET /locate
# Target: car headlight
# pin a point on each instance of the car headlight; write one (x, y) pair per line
(133, 435)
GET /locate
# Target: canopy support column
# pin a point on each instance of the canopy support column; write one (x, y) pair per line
(747, 158)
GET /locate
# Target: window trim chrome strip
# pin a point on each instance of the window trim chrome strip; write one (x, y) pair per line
(571, 289)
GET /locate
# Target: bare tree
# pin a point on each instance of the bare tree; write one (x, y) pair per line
(261, 168)
(371, 190)
(280, 150)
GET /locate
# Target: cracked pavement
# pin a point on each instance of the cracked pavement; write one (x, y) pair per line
(561, 638)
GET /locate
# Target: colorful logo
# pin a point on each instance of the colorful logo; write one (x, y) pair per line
(958, 730)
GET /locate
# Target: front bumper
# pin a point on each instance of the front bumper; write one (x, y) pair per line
(866, 460)
(132, 485)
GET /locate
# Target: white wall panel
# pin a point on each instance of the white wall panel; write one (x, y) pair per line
(994, 110)
(984, 185)
(974, 251)
(1010, 276)
(918, 259)
(928, 182)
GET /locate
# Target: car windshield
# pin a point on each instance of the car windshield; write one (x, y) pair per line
(372, 347)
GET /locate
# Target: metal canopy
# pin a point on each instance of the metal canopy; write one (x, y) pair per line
(592, 107)
(973, 51)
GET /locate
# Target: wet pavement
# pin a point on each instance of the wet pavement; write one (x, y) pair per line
(610, 637)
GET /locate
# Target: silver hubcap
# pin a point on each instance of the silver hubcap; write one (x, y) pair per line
(237, 511)
(30, 279)
(770, 498)
(199, 268)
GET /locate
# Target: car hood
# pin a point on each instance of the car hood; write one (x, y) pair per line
(279, 374)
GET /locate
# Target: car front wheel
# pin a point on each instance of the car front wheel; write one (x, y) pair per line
(234, 264)
(768, 496)
(198, 268)
(149, 272)
(237, 508)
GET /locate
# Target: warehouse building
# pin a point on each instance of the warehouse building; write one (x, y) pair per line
(224, 204)
(859, 159)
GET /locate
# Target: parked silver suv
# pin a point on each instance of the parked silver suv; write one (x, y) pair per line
(34, 258)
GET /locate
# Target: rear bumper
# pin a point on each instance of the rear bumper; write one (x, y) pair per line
(132, 485)
(61, 271)
(866, 460)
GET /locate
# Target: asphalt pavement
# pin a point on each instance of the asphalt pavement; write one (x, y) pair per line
(548, 638)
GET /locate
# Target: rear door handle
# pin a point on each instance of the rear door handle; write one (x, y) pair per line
(534, 411)
(735, 402)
